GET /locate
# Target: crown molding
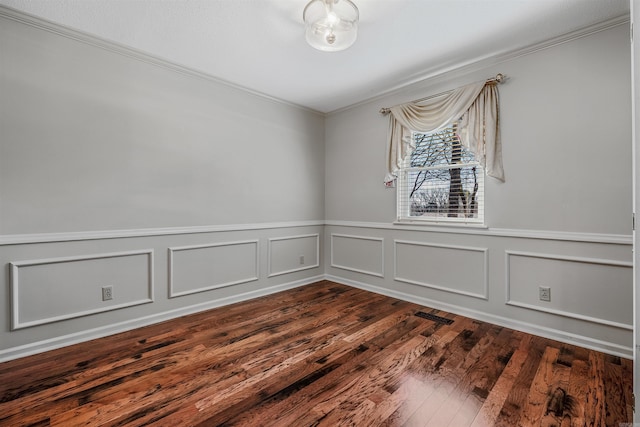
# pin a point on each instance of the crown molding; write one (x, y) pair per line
(441, 74)
(433, 74)
(120, 49)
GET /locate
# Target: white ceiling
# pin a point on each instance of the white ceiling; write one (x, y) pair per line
(259, 44)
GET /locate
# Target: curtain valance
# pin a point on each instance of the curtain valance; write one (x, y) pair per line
(474, 107)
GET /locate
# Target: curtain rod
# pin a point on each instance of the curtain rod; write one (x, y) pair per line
(499, 78)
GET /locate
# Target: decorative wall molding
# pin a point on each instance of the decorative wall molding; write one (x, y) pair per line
(316, 264)
(89, 39)
(111, 329)
(439, 73)
(484, 274)
(172, 267)
(585, 260)
(21, 239)
(15, 267)
(353, 268)
(617, 239)
(555, 334)
(433, 74)
(596, 261)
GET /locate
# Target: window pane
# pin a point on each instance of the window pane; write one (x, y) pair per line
(444, 193)
(441, 180)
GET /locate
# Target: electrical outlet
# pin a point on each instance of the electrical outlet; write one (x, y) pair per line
(301, 259)
(107, 293)
(545, 293)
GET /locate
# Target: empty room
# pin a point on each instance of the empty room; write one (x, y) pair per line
(318, 212)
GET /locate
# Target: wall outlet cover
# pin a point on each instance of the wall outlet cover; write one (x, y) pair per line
(545, 293)
(107, 293)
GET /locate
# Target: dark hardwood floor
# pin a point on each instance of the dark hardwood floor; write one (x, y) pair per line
(323, 354)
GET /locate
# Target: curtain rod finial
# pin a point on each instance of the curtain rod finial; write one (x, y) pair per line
(500, 77)
(385, 110)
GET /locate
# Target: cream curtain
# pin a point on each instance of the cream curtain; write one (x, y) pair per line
(474, 107)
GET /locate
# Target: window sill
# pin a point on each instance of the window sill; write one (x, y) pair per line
(441, 224)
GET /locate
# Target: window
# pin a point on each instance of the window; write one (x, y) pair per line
(441, 181)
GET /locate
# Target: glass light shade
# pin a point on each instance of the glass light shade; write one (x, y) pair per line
(331, 25)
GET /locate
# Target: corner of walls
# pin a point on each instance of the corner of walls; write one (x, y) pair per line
(174, 190)
(553, 223)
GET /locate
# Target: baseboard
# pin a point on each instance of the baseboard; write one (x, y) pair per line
(91, 334)
(88, 335)
(550, 333)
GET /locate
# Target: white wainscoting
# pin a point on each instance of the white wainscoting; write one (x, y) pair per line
(360, 254)
(458, 269)
(591, 289)
(54, 289)
(590, 302)
(200, 268)
(293, 253)
(193, 260)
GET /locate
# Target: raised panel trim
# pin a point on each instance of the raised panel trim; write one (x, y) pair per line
(599, 261)
(172, 250)
(485, 251)
(293, 270)
(357, 270)
(127, 325)
(14, 281)
(509, 322)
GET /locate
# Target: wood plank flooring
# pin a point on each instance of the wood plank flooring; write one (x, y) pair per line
(319, 355)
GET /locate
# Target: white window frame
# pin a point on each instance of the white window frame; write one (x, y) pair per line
(404, 206)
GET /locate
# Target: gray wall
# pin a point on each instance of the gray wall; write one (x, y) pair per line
(118, 169)
(562, 218)
(96, 140)
(566, 132)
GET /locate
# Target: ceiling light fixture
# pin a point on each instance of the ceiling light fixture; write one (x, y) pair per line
(331, 25)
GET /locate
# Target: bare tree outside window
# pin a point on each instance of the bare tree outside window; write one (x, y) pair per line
(442, 179)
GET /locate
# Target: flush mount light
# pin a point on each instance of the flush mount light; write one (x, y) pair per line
(331, 25)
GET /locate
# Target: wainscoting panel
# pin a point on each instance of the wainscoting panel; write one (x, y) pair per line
(458, 269)
(465, 271)
(201, 268)
(357, 253)
(294, 253)
(50, 290)
(595, 290)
